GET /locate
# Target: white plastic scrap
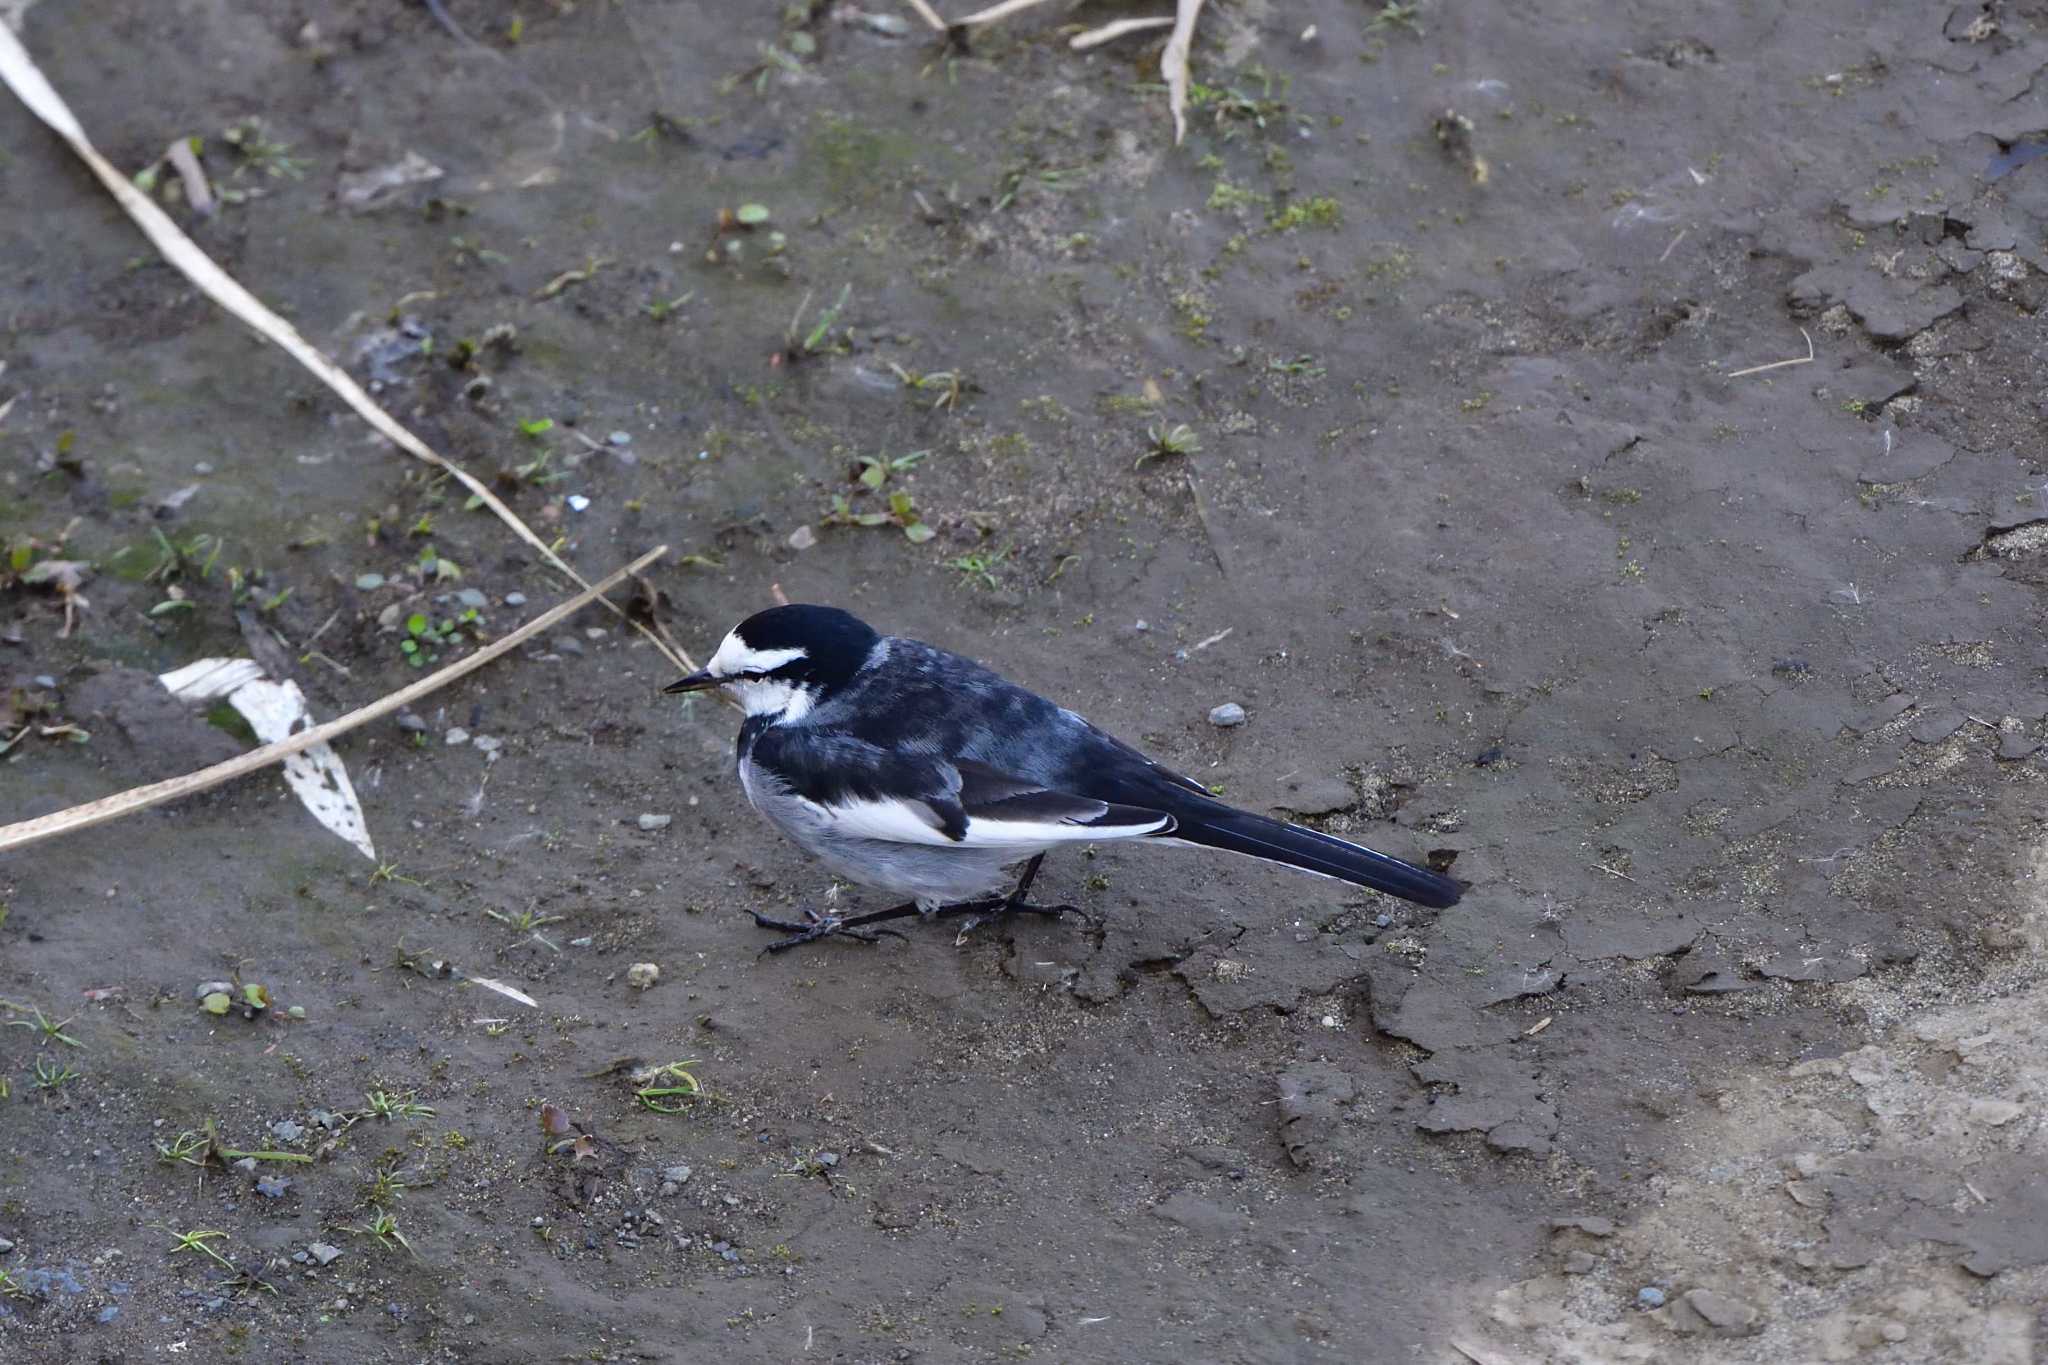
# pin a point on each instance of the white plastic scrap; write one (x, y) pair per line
(274, 711)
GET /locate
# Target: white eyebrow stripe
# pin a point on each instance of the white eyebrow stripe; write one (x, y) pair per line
(734, 657)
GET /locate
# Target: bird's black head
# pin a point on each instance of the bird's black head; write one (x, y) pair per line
(795, 654)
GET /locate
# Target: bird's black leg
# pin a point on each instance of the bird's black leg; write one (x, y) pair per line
(980, 912)
(816, 926)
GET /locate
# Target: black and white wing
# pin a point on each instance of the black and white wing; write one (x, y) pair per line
(860, 790)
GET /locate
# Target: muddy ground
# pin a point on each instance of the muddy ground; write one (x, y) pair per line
(1724, 690)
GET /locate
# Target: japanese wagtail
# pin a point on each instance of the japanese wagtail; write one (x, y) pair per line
(910, 769)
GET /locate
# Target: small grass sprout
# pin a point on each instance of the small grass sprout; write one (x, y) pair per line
(387, 1105)
(681, 1085)
(1178, 439)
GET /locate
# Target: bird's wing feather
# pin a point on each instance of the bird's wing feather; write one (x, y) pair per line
(1151, 766)
(863, 790)
(1004, 810)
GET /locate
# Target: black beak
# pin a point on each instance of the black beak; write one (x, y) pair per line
(696, 682)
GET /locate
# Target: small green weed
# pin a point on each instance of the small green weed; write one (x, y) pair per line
(667, 1099)
(50, 1075)
(383, 1104)
(978, 569)
(1179, 439)
(50, 1031)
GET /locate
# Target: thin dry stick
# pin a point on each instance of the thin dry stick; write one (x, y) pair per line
(20, 72)
(1115, 29)
(1173, 64)
(928, 14)
(107, 808)
(1806, 359)
(1001, 11)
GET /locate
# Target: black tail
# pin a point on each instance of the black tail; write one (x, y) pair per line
(1236, 831)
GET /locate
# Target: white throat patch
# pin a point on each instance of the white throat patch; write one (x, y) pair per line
(772, 697)
(778, 697)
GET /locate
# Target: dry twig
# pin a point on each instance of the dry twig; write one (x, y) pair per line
(1806, 359)
(29, 85)
(25, 832)
(1173, 64)
(1115, 29)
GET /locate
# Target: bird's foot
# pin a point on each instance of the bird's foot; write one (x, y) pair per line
(815, 926)
(984, 912)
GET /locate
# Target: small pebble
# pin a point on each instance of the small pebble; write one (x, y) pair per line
(326, 1118)
(1142, 626)
(515, 599)
(577, 502)
(677, 1175)
(284, 1130)
(1227, 715)
(472, 597)
(206, 988)
(109, 1313)
(1382, 920)
(7, 1246)
(247, 1165)
(46, 682)
(322, 1252)
(642, 975)
(620, 438)
(828, 1159)
(1578, 1262)
(411, 723)
(370, 582)
(457, 735)
(568, 644)
(802, 538)
(651, 822)
(272, 1186)
(1649, 1296)
(487, 743)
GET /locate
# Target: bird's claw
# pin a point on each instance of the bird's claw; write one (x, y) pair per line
(814, 927)
(983, 912)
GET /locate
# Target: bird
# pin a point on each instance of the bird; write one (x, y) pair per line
(921, 773)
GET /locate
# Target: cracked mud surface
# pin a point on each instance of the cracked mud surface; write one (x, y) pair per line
(1725, 691)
